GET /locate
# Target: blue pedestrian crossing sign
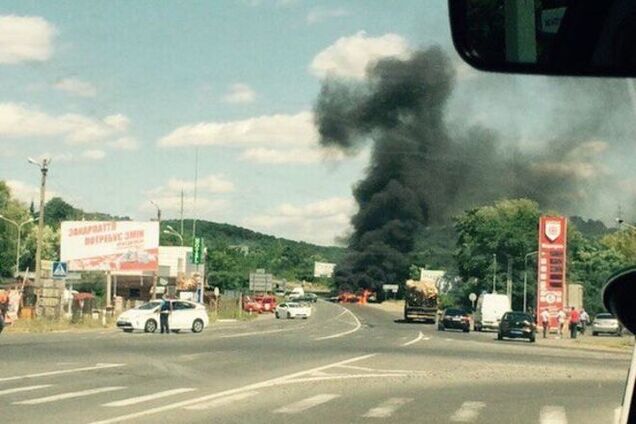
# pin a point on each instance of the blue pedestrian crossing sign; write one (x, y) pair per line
(59, 270)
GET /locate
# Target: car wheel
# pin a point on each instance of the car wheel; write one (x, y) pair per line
(619, 333)
(594, 333)
(151, 326)
(277, 315)
(128, 330)
(440, 327)
(466, 330)
(499, 336)
(304, 317)
(478, 327)
(531, 339)
(289, 315)
(197, 326)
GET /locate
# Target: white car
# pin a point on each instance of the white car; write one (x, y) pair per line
(185, 315)
(293, 310)
(606, 324)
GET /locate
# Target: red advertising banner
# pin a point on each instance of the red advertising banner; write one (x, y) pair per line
(551, 263)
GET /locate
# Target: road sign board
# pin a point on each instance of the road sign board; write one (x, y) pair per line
(163, 281)
(216, 292)
(197, 250)
(261, 282)
(390, 288)
(59, 269)
(472, 297)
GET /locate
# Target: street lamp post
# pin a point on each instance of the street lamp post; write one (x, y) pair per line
(173, 232)
(44, 168)
(494, 272)
(525, 279)
(17, 250)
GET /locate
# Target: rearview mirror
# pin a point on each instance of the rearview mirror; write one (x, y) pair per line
(619, 297)
(553, 37)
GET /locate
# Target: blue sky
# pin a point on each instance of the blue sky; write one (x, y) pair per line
(97, 86)
(120, 94)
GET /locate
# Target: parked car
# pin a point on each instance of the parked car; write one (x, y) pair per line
(606, 323)
(268, 303)
(291, 310)
(185, 315)
(252, 305)
(490, 308)
(309, 297)
(517, 325)
(454, 318)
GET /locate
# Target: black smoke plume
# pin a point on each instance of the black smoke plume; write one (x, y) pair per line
(422, 172)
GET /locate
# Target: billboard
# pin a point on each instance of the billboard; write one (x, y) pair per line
(110, 245)
(323, 269)
(551, 264)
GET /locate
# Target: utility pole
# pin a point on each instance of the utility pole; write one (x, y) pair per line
(44, 168)
(494, 273)
(155, 277)
(17, 250)
(509, 280)
(525, 280)
(196, 180)
(181, 232)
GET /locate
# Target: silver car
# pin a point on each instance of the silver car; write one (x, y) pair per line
(606, 324)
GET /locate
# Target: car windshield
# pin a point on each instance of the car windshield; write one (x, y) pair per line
(338, 154)
(149, 305)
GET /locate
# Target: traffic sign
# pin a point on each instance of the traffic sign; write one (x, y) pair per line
(472, 297)
(216, 292)
(197, 250)
(59, 270)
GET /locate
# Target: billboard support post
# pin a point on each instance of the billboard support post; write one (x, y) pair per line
(109, 290)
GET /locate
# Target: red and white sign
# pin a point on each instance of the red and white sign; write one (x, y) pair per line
(110, 245)
(551, 284)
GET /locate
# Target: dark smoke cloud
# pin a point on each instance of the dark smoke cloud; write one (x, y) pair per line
(424, 170)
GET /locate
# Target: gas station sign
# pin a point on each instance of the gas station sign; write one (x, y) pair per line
(551, 266)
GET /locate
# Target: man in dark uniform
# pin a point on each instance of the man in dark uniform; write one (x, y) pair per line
(164, 314)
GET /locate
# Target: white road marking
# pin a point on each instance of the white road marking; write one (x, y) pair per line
(468, 412)
(221, 402)
(387, 408)
(58, 372)
(553, 415)
(344, 333)
(617, 415)
(145, 398)
(415, 340)
(250, 387)
(305, 404)
(68, 395)
(23, 389)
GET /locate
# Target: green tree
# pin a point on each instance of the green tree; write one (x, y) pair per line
(57, 210)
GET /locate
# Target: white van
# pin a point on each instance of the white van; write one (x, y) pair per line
(490, 309)
(296, 293)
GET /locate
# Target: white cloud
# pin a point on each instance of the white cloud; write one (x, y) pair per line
(25, 39)
(268, 130)
(76, 87)
(320, 14)
(239, 94)
(317, 222)
(301, 156)
(349, 56)
(209, 184)
(27, 192)
(125, 143)
(168, 196)
(93, 154)
(19, 121)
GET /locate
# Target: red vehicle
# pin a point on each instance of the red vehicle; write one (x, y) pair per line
(268, 302)
(251, 305)
(348, 297)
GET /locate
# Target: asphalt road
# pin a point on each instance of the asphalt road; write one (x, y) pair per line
(340, 366)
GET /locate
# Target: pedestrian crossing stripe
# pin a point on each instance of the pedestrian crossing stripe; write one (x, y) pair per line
(59, 269)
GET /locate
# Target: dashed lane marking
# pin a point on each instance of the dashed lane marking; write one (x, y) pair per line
(146, 398)
(221, 402)
(387, 408)
(305, 404)
(58, 372)
(468, 412)
(23, 389)
(68, 395)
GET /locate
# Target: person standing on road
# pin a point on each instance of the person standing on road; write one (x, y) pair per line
(574, 322)
(545, 322)
(561, 318)
(164, 315)
(585, 320)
